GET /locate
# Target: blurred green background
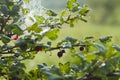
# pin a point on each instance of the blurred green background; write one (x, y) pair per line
(103, 20)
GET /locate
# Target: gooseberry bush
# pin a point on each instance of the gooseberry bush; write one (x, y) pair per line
(99, 59)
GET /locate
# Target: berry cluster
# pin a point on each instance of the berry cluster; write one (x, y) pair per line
(60, 53)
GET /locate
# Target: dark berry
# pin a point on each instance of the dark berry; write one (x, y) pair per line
(38, 48)
(63, 51)
(81, 48)
(32, 42)
(59, 54)
(9, 35)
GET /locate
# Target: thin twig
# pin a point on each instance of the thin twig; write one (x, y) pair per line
(6, 51)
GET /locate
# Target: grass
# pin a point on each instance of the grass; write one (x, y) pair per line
(80, 31)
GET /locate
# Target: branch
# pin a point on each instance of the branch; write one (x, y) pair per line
(66, 21)
(6, 51)
(59, 47)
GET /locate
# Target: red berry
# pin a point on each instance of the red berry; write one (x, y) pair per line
(81, 48)
(38, 48)
(59, 54)
(15, 37)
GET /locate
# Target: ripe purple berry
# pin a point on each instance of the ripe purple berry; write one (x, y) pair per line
(59, 54)
(63, 51)
(81, 48)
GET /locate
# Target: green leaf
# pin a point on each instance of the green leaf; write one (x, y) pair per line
(26, 11)
(116, 47)
(26, 1)
(4, 38)
(30, 18)
(20, 42)
(59, 43)
(71, 24)
(72, 50)
(90, 57)
(49, 43)
(24, 43)
(105, 39)
(16, 29)
(81, 56)
(63, 13)
(80, 74)
(67, 45)
(55, 77)
(4, 9)
(51, 13)
(34, 28)
(39, 19)
(52, 76)
(61, 20)
(76, 7)
(70, 39)
(83, 11)
(72, 21)
(52, 34)
(23, 46)
(90, 37)
(70, 4)
(65, 67)
(116, 73)
(99, 47)
(15, 10)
